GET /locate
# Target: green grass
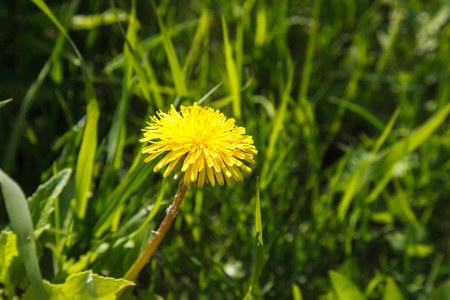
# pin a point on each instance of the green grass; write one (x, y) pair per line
(348, 103)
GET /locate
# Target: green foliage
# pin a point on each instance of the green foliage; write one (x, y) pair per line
(8, 251)
(344, 288)
(259, 249)
(442, 292)
(348, 105)
(83, 286)
(41, 203)
(21, 224)
(392, 291)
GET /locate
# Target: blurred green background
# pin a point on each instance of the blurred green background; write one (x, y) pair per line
(347, 102)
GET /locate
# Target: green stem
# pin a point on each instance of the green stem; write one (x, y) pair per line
(142, 260)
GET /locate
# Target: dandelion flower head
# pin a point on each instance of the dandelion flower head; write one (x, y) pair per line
(202, 141)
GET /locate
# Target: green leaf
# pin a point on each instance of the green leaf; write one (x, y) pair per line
(4, 102)
(8, 250)
(344, 288)
(41, 202)
(442, 292)
(22, 226)
(392, 291)
(83, 286)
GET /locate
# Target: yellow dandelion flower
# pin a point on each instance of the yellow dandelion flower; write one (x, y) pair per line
(203, 140)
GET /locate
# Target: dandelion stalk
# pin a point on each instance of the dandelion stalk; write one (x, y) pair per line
(201, 144)
(145, 256)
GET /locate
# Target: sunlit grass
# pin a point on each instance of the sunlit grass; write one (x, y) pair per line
(348, 106)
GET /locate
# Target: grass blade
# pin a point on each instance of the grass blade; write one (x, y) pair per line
(278, 123)
(177, 73)
(233, 75)
(202, 30)
(259, 243)
(86, 155)
(11, 150)
(398, 14)
(150, 216)
(4, 102)
(307, 67)
(132, 181)
(377, 123)
(22, 226)
(383, 162)
(296, 292)
(209, 93)
(355, 181)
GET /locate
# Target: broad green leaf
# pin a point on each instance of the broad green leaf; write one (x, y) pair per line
(8, 250)
(41, 202)
(344, 288)
(4, 102)
(22, 226)
(83, 286)
(442, 292)
(392, 291)
(259, 261)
